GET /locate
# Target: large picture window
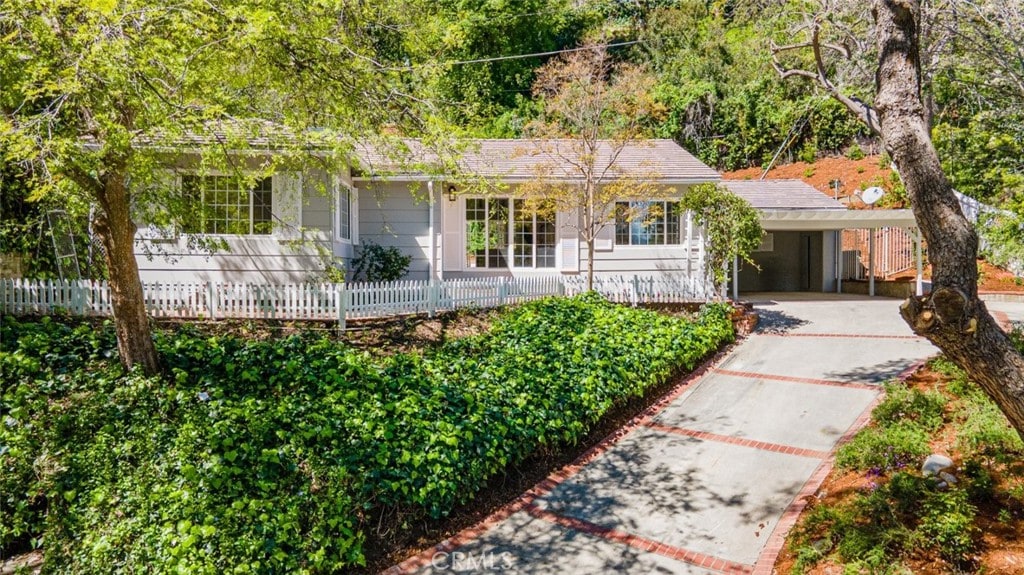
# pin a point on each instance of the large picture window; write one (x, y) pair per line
(500, 232)
(225, 205)
(647, 223)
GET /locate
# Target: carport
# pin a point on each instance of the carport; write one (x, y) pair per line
(802, 247)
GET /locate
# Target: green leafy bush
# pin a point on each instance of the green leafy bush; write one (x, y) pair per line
(376, 263)
(885, 448)
(902, 403)
(985, 431)
(269, 456)
(948, 524)
(893, 519)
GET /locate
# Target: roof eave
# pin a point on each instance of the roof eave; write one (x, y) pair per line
(516, 179)
(834, 219)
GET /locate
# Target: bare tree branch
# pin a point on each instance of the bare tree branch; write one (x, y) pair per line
(862, 110)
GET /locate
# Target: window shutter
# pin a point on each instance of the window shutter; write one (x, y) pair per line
(354, 214)
(569, 241)
(452, 256)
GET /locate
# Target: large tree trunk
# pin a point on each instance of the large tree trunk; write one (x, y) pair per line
(117, 231)
(952, 317)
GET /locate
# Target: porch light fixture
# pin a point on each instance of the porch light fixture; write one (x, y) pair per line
(451, 193)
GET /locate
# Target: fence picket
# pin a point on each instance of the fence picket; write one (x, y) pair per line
(335, 301)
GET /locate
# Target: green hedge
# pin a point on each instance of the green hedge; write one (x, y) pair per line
(270, 456)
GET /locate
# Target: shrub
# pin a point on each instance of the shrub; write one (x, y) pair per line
(948, 524)
(986, 431)
(868, 531)
(376, 263)
(871, 531)
(882, 449)
(902, 403)
(268, 456)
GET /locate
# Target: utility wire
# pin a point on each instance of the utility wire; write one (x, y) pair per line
(522, 56)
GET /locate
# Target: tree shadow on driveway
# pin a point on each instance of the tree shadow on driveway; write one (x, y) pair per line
(775, 322)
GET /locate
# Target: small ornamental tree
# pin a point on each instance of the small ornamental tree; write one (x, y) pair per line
(591, 110)
(731, 227)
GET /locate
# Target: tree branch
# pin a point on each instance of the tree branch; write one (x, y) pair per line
(84, 180)
(862, 110)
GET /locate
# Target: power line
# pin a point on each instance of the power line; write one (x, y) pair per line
(534, 55)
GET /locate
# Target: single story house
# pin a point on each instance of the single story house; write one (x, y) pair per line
(469, 225)
(471, 220)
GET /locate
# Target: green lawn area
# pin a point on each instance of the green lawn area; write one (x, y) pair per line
(271, 456)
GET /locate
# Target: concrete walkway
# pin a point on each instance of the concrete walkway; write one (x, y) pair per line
(712, 478)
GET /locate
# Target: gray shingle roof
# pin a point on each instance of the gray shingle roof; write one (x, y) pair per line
(782, 195)
(513, 160)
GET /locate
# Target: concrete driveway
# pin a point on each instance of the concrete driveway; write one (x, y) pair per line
(712, 479)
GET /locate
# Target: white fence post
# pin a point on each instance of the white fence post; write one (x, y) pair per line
(502, 292)
(211, 300)
(339, 299)
(433, 295)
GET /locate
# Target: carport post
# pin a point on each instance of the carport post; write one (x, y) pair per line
(839, 261)
(871, 262)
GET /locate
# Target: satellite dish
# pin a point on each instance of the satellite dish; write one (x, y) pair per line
(871, 195)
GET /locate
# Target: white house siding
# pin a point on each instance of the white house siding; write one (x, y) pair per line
(287, 255)
(668, 261)
(671, 261)
(394, 214)
(318, 203)
(252, 259)
(674, 261)
(319, 215)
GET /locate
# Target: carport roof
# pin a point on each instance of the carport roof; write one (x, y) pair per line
(816, 220)
(782, 195)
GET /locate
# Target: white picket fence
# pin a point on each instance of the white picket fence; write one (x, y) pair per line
(650, 289)
(334, 302)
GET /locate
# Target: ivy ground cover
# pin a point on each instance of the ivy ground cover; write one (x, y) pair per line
(270, 456)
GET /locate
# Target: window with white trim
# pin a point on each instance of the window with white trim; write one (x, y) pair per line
(344, 213)
(226, 205)
(533, 236)
(501, 231)
(647, 223)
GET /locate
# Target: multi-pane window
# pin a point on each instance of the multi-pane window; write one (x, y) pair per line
(225, 205)
(491, 222)
(487, 232)
(344, 211)
(647, 223)
(533, 236)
